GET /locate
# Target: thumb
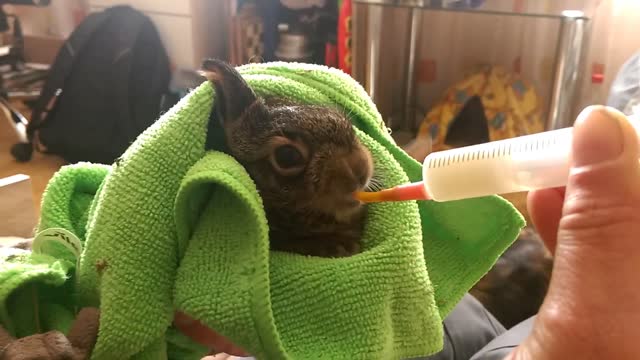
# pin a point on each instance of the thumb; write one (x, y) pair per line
(602, 197)
(597, 257)
(591, 307)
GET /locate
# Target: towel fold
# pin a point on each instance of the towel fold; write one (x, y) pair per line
(172, 227)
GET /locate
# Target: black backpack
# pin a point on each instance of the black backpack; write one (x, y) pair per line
(104, 88)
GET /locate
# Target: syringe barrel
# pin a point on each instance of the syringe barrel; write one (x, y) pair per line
(520, 164)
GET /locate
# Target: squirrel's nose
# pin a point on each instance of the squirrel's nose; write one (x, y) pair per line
(362, 173)
(348, 181)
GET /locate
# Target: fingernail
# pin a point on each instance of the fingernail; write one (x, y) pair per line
(597, 136)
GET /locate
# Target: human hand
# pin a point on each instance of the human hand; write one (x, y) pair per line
(592, 308)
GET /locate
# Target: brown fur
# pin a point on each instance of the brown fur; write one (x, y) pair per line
(310, 208)
(54, 345)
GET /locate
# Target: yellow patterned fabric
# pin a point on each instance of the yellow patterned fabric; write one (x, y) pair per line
(511, 105)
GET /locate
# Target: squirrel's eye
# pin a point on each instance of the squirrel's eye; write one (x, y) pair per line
(288, 157)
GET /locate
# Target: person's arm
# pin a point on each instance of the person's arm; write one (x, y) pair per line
(503, 345)
(467, 329)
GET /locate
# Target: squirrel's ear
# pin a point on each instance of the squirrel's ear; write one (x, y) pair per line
(233, 94)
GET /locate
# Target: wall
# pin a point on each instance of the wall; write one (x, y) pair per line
(456, 42)
(614, 40)
(452, 43)
(56, 20)
(191, 30)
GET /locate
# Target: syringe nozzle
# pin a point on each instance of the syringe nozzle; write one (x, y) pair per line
(413, 191)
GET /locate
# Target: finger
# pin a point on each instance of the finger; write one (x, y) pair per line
(221, 356)
(603, 187)
(545, 209)
(597, 234)
(225, 346)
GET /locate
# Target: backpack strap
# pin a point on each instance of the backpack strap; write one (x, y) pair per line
(61, 67)
(142, 41)
(132, 23)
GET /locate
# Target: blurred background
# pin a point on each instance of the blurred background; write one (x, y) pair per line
(450, 42)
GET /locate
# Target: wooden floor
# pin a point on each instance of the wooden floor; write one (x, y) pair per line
(40, 168)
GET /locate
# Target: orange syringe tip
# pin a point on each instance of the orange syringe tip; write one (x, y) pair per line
(369, 197)
(414, 191)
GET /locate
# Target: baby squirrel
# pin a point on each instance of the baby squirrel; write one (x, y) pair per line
(305, 160)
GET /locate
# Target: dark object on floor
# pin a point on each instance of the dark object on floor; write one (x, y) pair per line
(103, 89)
(515, 287)
(22, 152)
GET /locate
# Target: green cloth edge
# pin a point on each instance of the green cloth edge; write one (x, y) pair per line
(430, 212)
(445, 262)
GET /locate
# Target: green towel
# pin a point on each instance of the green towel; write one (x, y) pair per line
(172, 227)
(31, 286)
(34, 291)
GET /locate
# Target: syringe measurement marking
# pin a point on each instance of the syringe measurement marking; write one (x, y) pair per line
(493, 152)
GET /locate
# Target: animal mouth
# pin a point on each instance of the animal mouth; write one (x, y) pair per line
(352, 201)
(348, 207)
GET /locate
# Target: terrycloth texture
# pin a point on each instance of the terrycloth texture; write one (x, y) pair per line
(175, 228)
(69, 195)
(34, 291)
(30, 296)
